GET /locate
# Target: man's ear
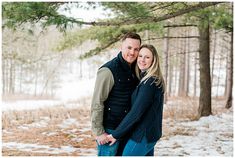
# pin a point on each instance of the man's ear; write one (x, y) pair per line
(121, 45)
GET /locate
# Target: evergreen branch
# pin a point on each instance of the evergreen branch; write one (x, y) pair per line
(97, 50)
(140, 20)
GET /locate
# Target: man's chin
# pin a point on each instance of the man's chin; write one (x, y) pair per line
(131, 61)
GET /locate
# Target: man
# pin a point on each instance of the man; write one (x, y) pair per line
(114, 85)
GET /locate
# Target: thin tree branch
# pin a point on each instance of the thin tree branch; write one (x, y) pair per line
(180, 25)
(141, 20)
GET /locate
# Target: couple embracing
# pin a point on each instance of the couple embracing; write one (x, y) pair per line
(127, 103)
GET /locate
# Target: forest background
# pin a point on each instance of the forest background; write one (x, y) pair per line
(50, 60)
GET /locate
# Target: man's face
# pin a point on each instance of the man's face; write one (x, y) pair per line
(130, 49)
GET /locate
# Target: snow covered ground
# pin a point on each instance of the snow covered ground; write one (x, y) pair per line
(28, 104)
(45, 148)
(209, 136)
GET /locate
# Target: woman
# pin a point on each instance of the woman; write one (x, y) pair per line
(144, 120)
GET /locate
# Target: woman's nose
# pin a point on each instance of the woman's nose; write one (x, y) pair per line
(142, 59)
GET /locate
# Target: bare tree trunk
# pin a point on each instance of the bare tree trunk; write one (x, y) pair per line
(7, 76)
(3, 76)
(182, 70)
(81, 73)
(11, 83)
(50, 76)
(170, 76)
(213, 57)
(166, 50)
(220, 63)
(204, 62)
(188, 66)
(195, 74)
(80, 69)
(36, 79)
(147, 36)
(177, 72)
(20, 78)
(229, 98)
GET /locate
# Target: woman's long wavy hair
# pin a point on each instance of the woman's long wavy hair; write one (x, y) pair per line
(154, 70)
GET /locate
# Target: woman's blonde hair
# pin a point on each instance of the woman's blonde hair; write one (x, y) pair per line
(154, 70)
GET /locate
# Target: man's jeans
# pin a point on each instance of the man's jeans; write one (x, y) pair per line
(106, 150)
(142, 148)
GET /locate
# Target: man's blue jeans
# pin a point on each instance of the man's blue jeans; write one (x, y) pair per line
(106, 150)
(142, 148)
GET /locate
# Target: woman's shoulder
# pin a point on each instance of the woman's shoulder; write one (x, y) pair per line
(150, 81)
(153, 82)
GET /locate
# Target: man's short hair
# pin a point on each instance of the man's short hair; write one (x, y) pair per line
(132, 35)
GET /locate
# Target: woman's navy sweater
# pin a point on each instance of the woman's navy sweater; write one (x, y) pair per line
(145, 116)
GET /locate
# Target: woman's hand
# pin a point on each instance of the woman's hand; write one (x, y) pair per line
(111, 139)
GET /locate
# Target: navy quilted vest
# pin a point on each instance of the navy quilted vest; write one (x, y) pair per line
(118, 102)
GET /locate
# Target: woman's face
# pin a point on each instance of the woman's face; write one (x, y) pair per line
(145, 59)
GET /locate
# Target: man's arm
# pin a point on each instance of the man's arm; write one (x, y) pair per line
(103, 85)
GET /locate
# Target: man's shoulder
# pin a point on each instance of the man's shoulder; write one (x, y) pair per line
(104, 71)
(110, 63)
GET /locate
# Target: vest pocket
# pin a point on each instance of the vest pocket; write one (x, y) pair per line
(116, 114)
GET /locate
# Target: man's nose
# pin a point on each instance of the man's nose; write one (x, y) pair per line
(132, 51)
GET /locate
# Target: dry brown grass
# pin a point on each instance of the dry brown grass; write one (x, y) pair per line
(181, 108)
(11, 120)
(186, 108)
(13, 97)
(177, 109)
(16, 118)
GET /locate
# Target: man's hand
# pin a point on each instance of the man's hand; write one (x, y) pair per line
(111, 139)
(102, 139)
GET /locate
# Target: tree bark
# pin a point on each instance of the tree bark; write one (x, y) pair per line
(166, 50)
(219, 74)
(195, 74)
(181, 91)
(213, 57)
(170, 75)
(204, 63)
(229, 98)
(12, 78)
(187, 71)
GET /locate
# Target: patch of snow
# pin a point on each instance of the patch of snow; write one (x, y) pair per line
(28, 104)
(84, 129)
(40, 124)
(49, 133)
(40, 148)
(68, 122)
(7, 132)
(209, 136)
(77, 139)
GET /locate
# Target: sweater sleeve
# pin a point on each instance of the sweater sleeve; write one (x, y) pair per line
(144, 99)
(103, 85)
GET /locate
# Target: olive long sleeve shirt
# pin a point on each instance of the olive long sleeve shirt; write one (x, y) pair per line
(103, 85)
